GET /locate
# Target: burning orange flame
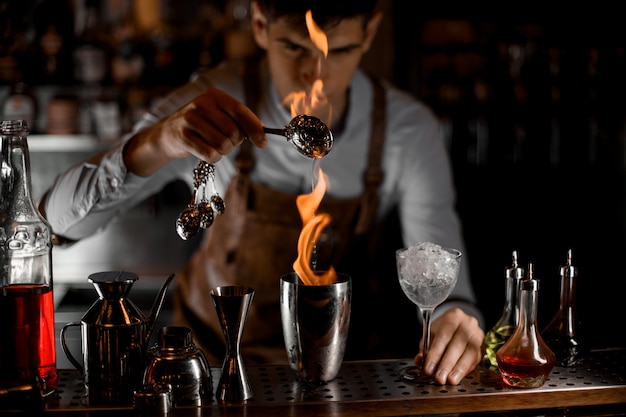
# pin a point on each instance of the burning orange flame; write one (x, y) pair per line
(316, 34)
(302, 103)
(313, 224)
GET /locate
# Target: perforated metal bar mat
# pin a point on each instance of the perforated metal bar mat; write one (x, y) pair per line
(601, 379)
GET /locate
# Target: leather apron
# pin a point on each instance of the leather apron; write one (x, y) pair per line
(254, 243)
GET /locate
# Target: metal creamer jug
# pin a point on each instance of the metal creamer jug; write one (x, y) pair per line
(114, 338)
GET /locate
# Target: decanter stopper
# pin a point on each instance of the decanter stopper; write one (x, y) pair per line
(525, 361)
(560, 333)
(506, 324)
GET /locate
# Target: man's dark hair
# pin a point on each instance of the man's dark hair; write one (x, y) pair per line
(326, 13)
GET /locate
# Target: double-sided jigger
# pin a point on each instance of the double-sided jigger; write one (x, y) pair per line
(232, 304)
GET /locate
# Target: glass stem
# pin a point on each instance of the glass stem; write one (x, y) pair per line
(426, 316)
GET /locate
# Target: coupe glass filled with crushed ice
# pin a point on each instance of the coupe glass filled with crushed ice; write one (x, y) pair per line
(427, 274)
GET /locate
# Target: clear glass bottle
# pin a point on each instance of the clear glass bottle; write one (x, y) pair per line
(560, 333)
(525, 361)
(27, 346)
(507, 323)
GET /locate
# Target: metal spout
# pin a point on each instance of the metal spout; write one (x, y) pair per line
(156, 309)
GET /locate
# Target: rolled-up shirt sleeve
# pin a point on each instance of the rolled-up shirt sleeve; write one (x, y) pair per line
(85, 198)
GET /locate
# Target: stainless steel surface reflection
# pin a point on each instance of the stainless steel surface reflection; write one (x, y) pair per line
(232, 304)
(177, 362)
(154, 400)
(374, 388)
(114, 338)
(315, 321)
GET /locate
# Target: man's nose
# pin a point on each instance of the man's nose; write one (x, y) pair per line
(311, 68)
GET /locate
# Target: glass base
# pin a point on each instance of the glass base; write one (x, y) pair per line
(415, 374)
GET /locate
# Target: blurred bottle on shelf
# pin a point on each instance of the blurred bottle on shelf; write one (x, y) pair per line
(52, 61)
(128, 61)
(20, 104)
(238, 39)
(478, 125)
(91, 51)
(62, 115)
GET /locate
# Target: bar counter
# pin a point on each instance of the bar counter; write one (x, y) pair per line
(372, 388)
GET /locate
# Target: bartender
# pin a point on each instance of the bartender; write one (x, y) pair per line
(388, 161)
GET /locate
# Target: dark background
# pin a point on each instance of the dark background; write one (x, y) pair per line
(518, 191)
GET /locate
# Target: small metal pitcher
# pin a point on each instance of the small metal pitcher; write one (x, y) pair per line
(175, 361)
(114, 338)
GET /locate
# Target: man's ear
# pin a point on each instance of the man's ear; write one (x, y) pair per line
(371, 29)
(259, 25)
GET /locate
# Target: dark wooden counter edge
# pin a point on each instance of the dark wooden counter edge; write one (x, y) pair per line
(518, 399)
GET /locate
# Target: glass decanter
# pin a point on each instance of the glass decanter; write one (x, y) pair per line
(525, 361)
(507, 323)
(560, 333)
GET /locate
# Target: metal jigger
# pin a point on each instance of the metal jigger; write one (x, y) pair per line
(232, 304)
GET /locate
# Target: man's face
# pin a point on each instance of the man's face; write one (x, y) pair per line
(295, 62)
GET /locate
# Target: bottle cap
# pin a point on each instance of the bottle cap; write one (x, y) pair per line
(568, 270)
(530, 283)
(174, 337)
(514, 271)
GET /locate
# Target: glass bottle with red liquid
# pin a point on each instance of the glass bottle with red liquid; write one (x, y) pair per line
(27, 344)
(525, 361)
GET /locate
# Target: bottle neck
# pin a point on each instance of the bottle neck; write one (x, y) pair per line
(511, 295)
(567, 304)
(528, 309)
(16, 180)
(510, 312)
(25, 236)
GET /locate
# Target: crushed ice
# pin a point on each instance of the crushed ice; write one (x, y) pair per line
(428, 264)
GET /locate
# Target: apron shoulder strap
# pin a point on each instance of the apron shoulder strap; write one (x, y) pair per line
(244, 160)
(373, 175)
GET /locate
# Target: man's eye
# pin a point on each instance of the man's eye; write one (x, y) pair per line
(343, 51)
(292, 47)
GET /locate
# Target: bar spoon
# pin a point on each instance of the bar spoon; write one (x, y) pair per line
(311, 137)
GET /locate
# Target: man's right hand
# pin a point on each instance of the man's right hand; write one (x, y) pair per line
(208, 127)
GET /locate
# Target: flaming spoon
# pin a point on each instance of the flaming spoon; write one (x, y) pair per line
(310, 136)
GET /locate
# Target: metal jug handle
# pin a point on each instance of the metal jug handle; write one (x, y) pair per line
(66, 349)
